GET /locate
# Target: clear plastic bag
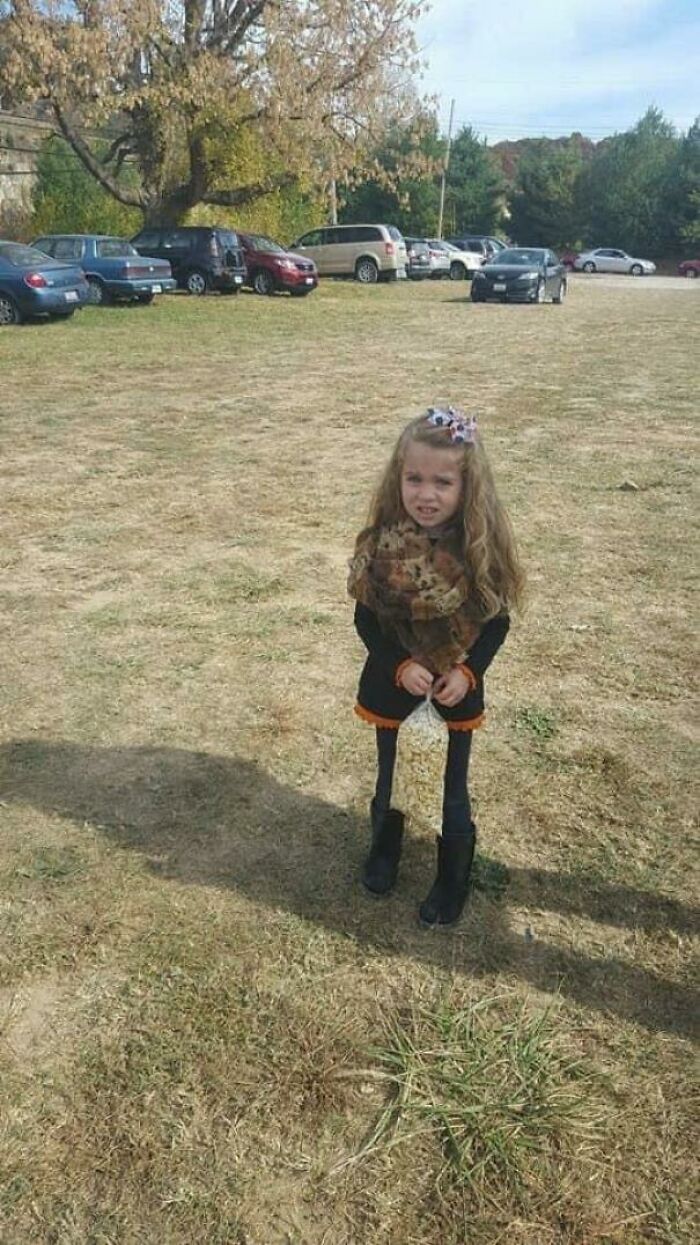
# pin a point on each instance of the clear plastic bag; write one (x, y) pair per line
(420, 768)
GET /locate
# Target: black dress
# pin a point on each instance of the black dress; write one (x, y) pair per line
(381, 701)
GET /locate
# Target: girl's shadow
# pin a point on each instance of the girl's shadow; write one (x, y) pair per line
(226, 822)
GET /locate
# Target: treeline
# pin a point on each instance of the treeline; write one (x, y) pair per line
(639, 189)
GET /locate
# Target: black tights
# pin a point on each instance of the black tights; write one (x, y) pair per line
(456, 811)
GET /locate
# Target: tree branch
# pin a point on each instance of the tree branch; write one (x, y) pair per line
(130, 198)
(246, 194)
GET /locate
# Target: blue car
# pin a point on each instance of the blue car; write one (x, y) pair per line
(113, 267)
(31, 284)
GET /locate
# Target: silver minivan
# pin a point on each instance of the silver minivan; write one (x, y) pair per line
(370, 253)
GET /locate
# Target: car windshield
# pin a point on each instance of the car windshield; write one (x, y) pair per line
(261, 243)
(439, 244)
(115, 248)
(22, 256)
(519, 257)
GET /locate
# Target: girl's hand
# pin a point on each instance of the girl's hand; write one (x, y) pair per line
(451, 688)
(416, 679)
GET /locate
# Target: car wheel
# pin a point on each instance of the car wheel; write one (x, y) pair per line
(457, 271)
(476, 298)
(691, 273)
(366, 272)
(541, 293)
(197, 282)
(9, 311)
(636, 270)
(263, 282)
(561, 294)
(145, 299)
(97, 294)
(589, 266)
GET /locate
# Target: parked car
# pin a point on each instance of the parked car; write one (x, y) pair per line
(202, 257)
(689, 268)
(483, 243)
(608, 259)
(438, 259)
(113, 268)
(370, 253)
(418, 256)
(33, 284)
(270, 267)
(521, 275)
(462, 263)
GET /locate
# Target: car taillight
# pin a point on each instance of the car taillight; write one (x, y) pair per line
(35, 281)
(389, 248)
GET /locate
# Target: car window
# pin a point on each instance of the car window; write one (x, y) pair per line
(519, 256)
(260, 243)
(22, 256)
(228, 239)
(44, 244)
(114, 248)
(177, 240)
(148, 237)
(67, 249)
(395, 234)
(356, 233)
(313, 238)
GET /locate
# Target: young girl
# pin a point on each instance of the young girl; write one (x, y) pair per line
(434, 575)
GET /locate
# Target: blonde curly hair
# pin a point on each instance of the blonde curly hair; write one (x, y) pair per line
(490, 549)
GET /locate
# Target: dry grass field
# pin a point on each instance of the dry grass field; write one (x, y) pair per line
(208, 1033)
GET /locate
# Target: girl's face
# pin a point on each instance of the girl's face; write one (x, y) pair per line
(431, 484)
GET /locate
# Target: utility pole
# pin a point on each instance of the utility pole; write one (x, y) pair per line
(332, 191)
(444, 171)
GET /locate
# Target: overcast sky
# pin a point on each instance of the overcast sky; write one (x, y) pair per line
(519, 68)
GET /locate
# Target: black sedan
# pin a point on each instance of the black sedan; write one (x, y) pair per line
(32, 284)
(521, 275)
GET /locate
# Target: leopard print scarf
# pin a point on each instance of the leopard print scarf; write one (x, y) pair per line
(418, 588)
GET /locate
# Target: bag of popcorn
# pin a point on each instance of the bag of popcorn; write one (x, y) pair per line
(419, 775)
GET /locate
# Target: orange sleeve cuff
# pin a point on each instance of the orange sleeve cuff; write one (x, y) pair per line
(400, 669)
(469, 675)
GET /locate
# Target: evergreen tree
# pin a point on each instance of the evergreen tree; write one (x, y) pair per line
(624, 193)
(475, 194)
(545, 203)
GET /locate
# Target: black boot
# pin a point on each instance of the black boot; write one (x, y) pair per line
(382, 864)
(448, 895)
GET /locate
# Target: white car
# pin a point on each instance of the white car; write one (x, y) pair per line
(461, 263)
(608, 259)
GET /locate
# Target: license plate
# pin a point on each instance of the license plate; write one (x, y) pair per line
(308, 280)
(500, 286)
(238, 280)
(71, 296)
(156, 289)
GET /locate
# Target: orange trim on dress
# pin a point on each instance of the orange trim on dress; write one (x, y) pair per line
(469, 724)
(468, 674)
(393, 724)
(374, 719)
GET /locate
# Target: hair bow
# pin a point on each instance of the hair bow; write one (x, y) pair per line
(461, 427)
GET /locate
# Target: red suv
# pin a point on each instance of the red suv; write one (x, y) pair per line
(272, 268)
